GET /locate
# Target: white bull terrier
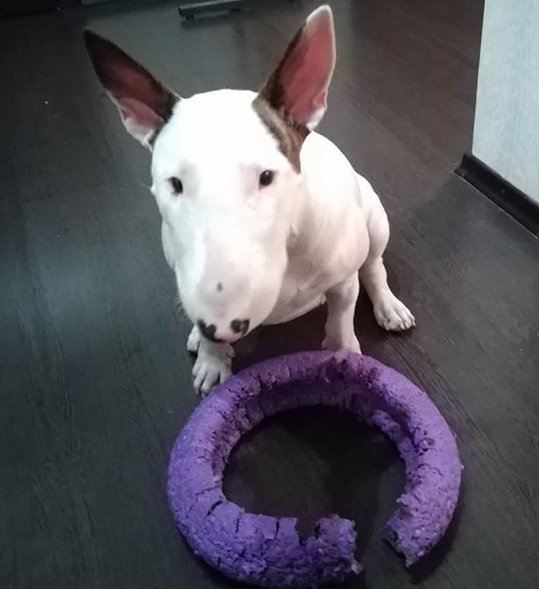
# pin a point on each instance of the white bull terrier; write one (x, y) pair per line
(263, 219)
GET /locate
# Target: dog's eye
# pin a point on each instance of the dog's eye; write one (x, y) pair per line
(176, 184)
(266, 178)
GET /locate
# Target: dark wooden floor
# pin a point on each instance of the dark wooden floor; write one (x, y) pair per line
(95, 381)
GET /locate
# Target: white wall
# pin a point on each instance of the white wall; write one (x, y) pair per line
(506, 130)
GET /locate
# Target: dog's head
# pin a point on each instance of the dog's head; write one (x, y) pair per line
(226, 172)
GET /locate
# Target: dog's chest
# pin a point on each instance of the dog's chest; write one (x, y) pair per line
(297, 297)
(306, 282)
(309, 277)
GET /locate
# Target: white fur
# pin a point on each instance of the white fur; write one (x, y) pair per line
(278, 251)
(240, 250)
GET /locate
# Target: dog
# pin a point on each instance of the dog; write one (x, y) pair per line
(263, 219)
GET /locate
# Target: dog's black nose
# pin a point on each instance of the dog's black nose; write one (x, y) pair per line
(208, 331)
(240, 326)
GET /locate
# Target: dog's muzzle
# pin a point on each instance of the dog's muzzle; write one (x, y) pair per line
(237, 328)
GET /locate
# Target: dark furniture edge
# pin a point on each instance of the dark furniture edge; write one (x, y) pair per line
(191, 8)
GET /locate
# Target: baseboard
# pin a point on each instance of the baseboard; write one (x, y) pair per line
(509, 198)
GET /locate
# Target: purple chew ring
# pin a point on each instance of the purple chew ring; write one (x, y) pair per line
(268, 551)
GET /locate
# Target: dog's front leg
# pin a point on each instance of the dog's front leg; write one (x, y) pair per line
(213, 363)
(341, 300)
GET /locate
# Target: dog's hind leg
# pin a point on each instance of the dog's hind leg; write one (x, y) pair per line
(390, 312)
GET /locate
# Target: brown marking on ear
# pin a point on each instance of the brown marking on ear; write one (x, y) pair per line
(124, 78)
(297, 89)
(270, 107)
(169, 101)
(273, 91)
(288, 133)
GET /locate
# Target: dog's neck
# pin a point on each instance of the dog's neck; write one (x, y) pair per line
(302, 221)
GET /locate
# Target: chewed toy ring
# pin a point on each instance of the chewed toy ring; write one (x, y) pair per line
(269, 551)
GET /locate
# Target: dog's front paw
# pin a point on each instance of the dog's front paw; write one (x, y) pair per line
(193, 341)
(392, 314)
(336, 343)
(212, 367)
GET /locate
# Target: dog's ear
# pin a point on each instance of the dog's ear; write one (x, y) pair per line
(145, 104)
(298, 88)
